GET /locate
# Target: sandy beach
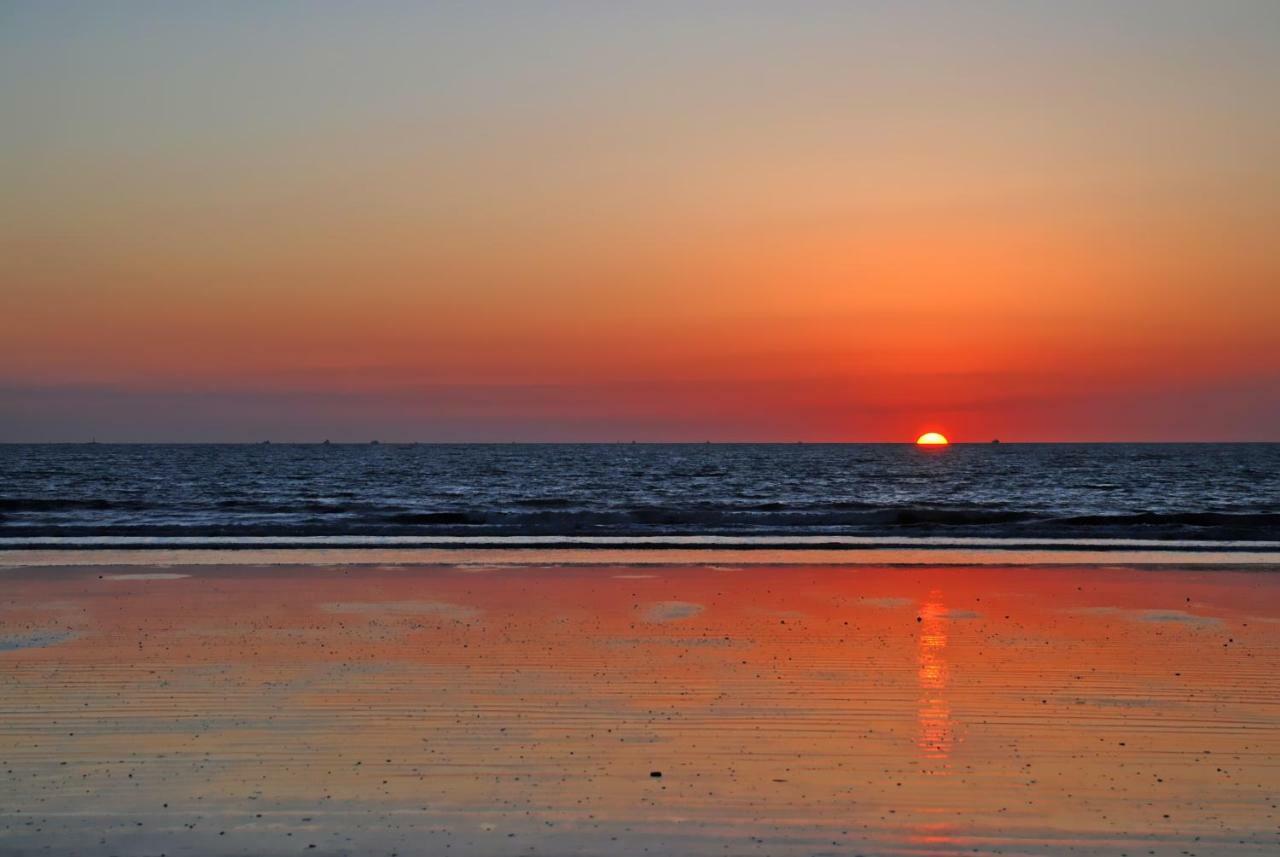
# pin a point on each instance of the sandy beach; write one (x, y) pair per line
(484, 709)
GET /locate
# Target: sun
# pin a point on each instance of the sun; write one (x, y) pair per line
(932, 438)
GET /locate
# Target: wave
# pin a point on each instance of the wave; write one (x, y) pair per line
(1195, 519)
(321, 519)
(68, 504)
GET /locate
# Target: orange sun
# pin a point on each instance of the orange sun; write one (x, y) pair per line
(931, 438)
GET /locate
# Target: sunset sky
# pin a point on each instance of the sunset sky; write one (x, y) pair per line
(601, 221)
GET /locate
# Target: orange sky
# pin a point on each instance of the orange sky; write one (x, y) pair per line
(558, 222)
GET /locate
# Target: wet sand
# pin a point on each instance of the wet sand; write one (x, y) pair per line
(218, 710)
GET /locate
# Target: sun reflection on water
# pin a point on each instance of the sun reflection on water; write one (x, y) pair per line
(934, 713)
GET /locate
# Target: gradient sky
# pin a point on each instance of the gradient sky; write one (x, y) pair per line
(573, 221)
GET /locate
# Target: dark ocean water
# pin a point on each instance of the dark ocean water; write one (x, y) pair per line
(1008, 491)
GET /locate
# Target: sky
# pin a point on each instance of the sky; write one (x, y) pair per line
(659, 221)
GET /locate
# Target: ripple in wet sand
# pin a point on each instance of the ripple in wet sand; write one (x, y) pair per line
(403, 608)
(364, 711)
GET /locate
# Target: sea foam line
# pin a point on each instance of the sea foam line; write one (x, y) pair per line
(778, 542)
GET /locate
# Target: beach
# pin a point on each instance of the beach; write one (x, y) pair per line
(639, 708)
(562, 429)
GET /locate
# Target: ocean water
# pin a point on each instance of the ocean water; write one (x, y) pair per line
(393, 493)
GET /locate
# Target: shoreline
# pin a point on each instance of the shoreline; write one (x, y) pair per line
(914, 557)
(774, 541)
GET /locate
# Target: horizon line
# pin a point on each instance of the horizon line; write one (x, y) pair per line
(378, 442)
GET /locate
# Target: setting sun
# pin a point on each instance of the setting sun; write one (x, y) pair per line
(932, 438)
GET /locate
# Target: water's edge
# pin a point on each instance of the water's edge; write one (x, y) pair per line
(484, 558)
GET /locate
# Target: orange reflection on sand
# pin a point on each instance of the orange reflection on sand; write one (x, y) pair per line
(414, 708)
(934, 712)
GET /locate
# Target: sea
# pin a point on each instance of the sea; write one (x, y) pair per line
(1219, 496)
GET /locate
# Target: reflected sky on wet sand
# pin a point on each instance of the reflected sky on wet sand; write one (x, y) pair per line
(242, 710)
